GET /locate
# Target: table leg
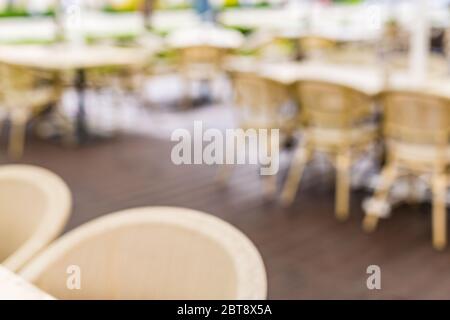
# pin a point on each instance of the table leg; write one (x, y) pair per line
(205, 92)
(81, 125)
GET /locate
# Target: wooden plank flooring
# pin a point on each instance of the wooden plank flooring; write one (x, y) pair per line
(308, 254)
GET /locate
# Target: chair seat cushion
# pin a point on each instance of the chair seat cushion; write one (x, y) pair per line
(287, 124)
(335, 137)
(287, 119)
(418, 152)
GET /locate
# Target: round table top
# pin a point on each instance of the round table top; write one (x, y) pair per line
(370, 14)
(205, 35)
(67, 57)
(13, 30)
(369, 79)
(94, 24)
(343, 35)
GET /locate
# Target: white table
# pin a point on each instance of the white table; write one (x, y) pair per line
(12, 287)
(368, 79)
(271, 19)
(343, 35)
(27, 29)
(367, 16)
(205, 35)
(67, 57)
(95, 24)
(58, 58)
(341, 21)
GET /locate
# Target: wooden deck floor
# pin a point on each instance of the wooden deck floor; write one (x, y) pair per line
(308, 254)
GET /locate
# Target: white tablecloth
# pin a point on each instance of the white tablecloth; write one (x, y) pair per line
(205, 35)
(368, 79)
(65, 57)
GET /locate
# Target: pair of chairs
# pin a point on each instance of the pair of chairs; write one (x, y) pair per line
(143, 253)
(340, 122)
(328, 117)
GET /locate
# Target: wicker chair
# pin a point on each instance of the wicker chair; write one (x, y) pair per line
(416, 132)
(34, 207)
(315, 47)
(260, 103)
(199, 63)
(335, 120)
(24, 93)
(152, 253)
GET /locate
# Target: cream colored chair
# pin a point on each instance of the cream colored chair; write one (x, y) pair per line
(354, 54)
(268, 46)
(261, 103)
(34, 207)
(151, 253)
(24, 93)
(199, 63)
(336, 121)
(315, 47)
(416, 132)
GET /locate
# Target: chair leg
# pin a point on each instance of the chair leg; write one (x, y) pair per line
(439, 218)
(388, 176)
(270, 181)
(186, 98)
(17, 136)
(270, 186)
(370, 223)
(67, 128)
(342, 186)
(301, 158)
(2, 122)
(413, 192)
